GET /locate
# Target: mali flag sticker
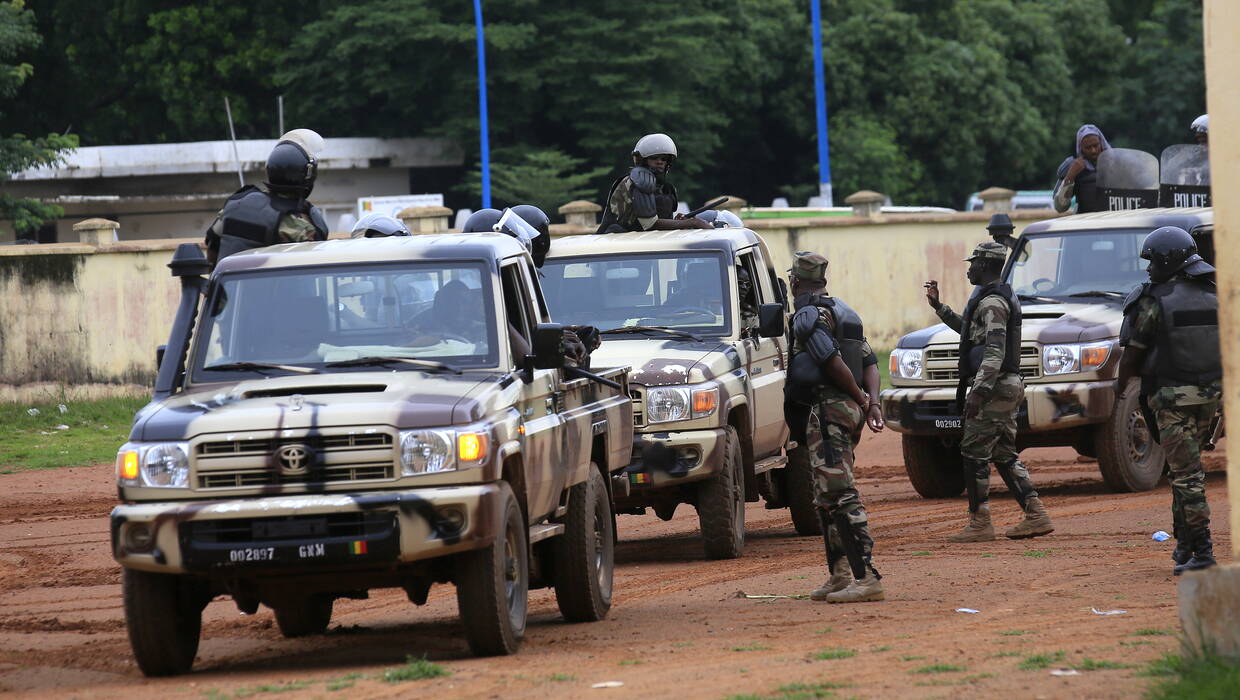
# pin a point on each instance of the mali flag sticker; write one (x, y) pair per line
(358, 547)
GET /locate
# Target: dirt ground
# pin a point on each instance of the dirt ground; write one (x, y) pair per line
(678, 627)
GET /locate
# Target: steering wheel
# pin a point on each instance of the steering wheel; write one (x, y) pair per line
(1050, 284)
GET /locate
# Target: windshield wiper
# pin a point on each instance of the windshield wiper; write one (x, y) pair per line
(1098, 293)
(1034, 297)
(389, 360)
(259, 367)
(652, 329)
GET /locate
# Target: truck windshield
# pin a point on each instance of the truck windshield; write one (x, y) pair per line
(1078, 263)
(311, 317)
(684, 291)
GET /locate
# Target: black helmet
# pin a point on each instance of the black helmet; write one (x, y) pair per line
(293, 163)
(482, 221)
(375, 225)
(1171, 249)
(537, 218)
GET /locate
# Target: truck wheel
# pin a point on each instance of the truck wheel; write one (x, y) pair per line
(305, 616)
(800, 494)
(164, 615)
(492, 585)
(721, 504)
(1128, 457)
(935, 469)
(585, 553)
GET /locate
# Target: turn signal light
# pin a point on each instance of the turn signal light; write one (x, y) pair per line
(1094, 357)
(471, 447)
(705, 401)
(893, 365)
(127, 465)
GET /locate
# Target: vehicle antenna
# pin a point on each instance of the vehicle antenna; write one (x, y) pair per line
(232, 133)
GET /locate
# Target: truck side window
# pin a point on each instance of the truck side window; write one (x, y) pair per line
(517, 310)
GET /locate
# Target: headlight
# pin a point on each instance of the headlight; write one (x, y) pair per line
(906, 363)
(671, 403)
(441, 450)
(158, 464)
(1075, 357)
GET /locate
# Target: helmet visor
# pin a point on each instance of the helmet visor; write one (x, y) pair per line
(513, 225)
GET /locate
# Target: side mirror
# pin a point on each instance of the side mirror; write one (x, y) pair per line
(548, 346)
(770, 320)
(159, 355)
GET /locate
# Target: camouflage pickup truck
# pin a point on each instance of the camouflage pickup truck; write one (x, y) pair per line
(708, 358)
(346, 415)
(1071, 275)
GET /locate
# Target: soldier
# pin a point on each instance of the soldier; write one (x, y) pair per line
(254, 217)
(746, 301)
(990, 370)
(1171, 340)
(644, 200)
(830, 362)
(375, 225)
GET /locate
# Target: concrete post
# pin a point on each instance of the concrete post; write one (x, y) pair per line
(734, 204)
(580, 213)
(96, 231)
(425, 219)
(866, 203)
(996, 199)
(1210, 599)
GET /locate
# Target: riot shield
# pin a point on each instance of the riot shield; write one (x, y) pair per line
(1184, 176)
(1128, 178)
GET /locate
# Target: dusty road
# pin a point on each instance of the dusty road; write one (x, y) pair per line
(678, 628)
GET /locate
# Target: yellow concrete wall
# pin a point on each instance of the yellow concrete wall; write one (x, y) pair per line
(76, 314)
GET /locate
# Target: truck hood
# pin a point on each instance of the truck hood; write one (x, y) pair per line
(666, 361)
(401, 399)
(1047, 324)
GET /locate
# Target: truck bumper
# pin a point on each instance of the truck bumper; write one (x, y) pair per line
(304, 533)
(670, 459)
(1047, 407)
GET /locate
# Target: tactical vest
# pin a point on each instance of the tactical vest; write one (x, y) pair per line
(970, 354)
(1089, 196)
(251, 217)
(845, 326)
(665, 202)
(1187, 349)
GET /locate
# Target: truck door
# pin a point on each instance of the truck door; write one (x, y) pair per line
(765, 363)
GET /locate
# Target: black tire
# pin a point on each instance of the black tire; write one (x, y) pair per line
(721, 504)
(800, 495)
(306, 616)
(164, 615)
(1128, 457)
(492, 585)
(935, 469)
(585, 553)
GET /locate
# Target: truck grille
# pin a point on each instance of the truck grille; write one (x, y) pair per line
(356, 525)
(942, 363)
(638, 395)
(342, 458)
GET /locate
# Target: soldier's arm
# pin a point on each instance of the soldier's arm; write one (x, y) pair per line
(951, 318)
(992, 315)
(1064, 190)
(212, 242)
(1138, 335)
(839, 374)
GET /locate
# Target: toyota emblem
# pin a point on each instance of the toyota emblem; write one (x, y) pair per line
(294, 459)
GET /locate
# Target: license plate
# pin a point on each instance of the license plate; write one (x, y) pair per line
(947, 422)
(247, 554)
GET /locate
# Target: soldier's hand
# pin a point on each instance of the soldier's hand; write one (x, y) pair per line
(1075, 169)
(972, 405)
(932, 294)
(874, 418)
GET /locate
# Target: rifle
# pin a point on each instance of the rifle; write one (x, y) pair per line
(709, 205)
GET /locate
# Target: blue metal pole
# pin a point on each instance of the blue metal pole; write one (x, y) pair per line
(820, 103)
(485, 137)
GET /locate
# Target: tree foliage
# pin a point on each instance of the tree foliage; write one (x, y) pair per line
(928, 99)
(545, 178)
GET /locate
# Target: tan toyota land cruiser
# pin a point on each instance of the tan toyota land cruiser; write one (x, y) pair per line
(348, 415)
(708, 375)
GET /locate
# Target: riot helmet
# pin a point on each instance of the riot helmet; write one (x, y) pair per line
(710, 216)
(537, 218)
(1170, 250)
(1201, 128)
(511, 224)
(293, 164)
(727, 219)
(375, 225)
(482, 221)
(652, 145)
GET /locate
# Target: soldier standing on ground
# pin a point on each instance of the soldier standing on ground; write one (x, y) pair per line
(1171, 340)
(644, 200)
(830, 362)
(990, 370)
(254, 217)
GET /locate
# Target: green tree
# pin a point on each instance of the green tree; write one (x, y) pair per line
(546, 178)
(17, 152)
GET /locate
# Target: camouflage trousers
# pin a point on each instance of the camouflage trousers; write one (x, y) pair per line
(830, 446)
(990, 436)
(1181, 430)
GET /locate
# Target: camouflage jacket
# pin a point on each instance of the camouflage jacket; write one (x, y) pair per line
(620, 205)
(1146, 317)
(990, 330)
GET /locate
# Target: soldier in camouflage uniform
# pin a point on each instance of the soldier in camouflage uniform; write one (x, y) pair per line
(830, 362)
(746, 302)
(990, 373)
(1171, 340)
(644, 200)
(254, 217)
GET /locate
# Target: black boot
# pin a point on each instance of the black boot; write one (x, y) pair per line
(1203, 551)
(1183, 548)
